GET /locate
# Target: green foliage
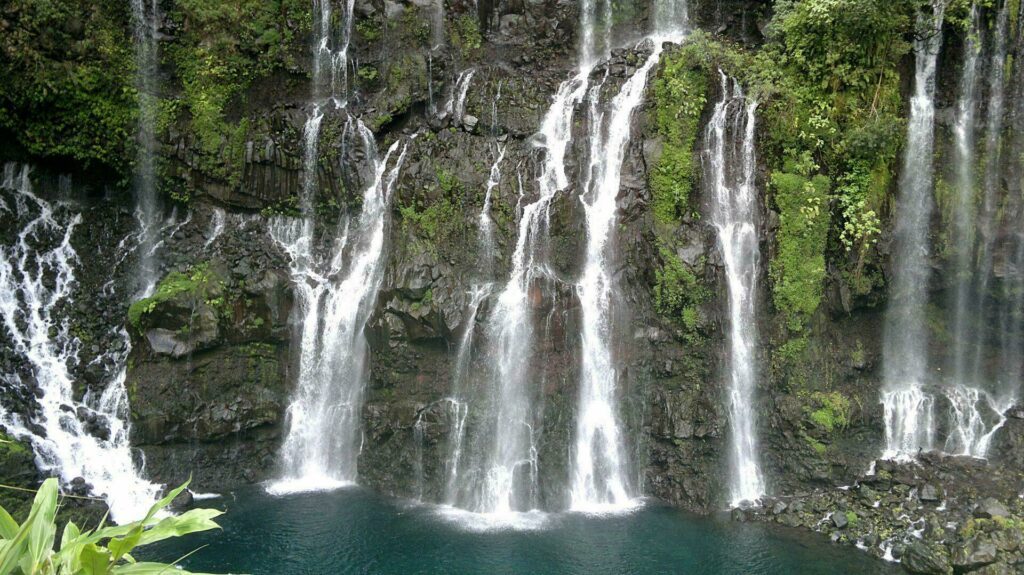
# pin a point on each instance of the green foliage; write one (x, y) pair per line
(798, 270)
(67, 85)
(370, 29)
(464, 33)
(829, 411)
(29, 548)
(679, 98)
(678, 292)
(225, 46)
(197, 282)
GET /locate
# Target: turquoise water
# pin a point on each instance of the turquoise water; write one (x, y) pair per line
(354, 531)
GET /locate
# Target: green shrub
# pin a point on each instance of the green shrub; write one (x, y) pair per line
(29, 548)
(679, 98)
(798, 270)
(198, 281)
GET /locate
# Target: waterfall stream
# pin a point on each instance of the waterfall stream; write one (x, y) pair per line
(335, 294)
(336, 286)
(730, 167)
(908, 409)
(76, 440)
(973, 399)
(145, 22)
(600, 467)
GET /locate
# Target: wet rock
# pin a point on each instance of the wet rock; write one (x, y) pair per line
(185, 500)
(928, 493)
(990, 508)
(974, 554)
(919, 557)
(839, 519)
(779, 508)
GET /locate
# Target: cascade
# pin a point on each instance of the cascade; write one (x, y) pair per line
(335, 287)
(909, 420)
(459, 404)
(962, 241)
(456, 106)
(501, 473)
(1012, 316)
(485, 221)
(145, 19)
(974, 412)
(599, 466)
(335, 296)
(73, 439)
(729, 169)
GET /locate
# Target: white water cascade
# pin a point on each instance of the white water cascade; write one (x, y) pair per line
(962, 241)
(145, 20)
(729, 168)
(37, 279)
(600, 467)
(335, 294)
(502, 474)
(908, 409)
(976, 408)
(336, 286)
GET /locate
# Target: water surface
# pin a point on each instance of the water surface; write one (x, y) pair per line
(355, 531)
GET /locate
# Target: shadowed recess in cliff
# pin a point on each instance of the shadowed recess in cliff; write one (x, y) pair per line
(78, 440)
(730, 168)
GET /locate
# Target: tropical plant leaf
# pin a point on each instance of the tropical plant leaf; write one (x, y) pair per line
(193, 521)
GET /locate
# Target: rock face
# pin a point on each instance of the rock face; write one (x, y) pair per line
(208, 371)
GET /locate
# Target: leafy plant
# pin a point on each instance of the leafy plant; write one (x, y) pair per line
(29, 548)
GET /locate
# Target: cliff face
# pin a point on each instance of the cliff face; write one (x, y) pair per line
(214, 353)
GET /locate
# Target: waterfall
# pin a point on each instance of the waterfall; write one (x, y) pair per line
(145, 21)
(962, 237)
(909, 422)
(459, 404)
(600, 466)
(729, 169)
(335, 287)
(485, 221)
(501, 475)
(73, 439)
(1012, 318)
(455, 108)
(975, 414)
(335, 295)
(974, 410)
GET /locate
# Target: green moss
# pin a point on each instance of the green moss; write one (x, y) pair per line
(818, 447)
(851, 518)
(829, 411)
(369, 29)
(798, 270)
(464, 34)
(678, 292)
(679, 97)
(224, 47)
(196, 283)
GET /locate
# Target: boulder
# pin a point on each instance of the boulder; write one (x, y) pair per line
(973, 554)
(990, 508)
(922, 558)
